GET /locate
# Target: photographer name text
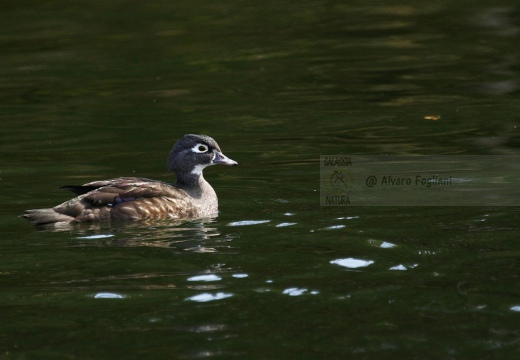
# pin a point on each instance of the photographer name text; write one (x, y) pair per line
(417, 180)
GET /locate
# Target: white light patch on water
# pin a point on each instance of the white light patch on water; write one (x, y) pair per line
(298, 291)
(240, 276)
(248, 222)
(205, 297)
(347, 218)
(208, 277)
(515, 308)
(262, 290)
(352, 263)
(333, 227)
(381, 244)
(387, 245)
(94, 237)
(427, 252)
(402, 267)
(107, 295)
(289, 214)
(284, 224)
(294, 291)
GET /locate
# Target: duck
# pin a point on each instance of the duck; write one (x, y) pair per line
(135, 198)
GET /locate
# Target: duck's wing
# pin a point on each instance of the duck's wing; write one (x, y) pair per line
(123, 198)
(114, 183)
(116, 191)
(137, 198)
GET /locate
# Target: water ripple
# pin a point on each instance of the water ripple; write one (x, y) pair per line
(94, 237)
(248, 222)
(284, 224)
(107, 295)
(298, 291)
(402, 267)
(240, 276)
(333, 227)
(208, 277)
(352, 263)
(205, 297)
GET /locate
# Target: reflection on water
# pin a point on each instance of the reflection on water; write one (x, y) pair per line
(182, 236)
(402, 267)
(205, 297)
(248, 222)
(352, 263)
(209, 277)
(502, 21)
(502, 71)
(299, 292)
(106, 295)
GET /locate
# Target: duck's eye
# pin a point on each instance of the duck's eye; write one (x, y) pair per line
(200, 148)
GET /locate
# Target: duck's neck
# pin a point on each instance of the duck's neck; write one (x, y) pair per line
(195, 186)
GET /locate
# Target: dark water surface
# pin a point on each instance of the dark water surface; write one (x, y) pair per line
(94, 90)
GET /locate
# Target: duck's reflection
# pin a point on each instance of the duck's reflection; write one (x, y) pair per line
(199, 236)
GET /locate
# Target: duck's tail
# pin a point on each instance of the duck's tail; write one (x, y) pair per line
(45, 216)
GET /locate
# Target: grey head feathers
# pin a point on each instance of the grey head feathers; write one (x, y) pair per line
(183, 158)
(190, 155)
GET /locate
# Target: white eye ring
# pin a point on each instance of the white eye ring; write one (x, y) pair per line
(200, 148)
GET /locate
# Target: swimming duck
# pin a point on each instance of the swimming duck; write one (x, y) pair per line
(132, 198)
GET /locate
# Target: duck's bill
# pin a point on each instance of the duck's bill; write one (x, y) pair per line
(223, 160)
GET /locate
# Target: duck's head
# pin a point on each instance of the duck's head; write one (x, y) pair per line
(192, 153)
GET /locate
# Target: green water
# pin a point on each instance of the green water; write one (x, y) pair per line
(94, 90)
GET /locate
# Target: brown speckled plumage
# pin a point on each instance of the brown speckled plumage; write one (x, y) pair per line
(131, 198)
